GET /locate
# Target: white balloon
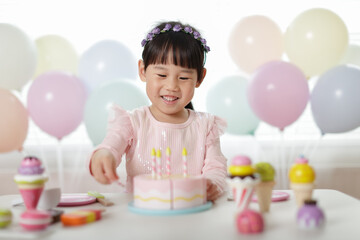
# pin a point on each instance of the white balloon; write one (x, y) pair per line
(106, 61)
(17, 57)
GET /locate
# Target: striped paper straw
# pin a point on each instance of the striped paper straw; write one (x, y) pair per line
(168, 152)
(158, 164)
(184, 157)
(153, 163)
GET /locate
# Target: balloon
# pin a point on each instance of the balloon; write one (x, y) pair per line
(352, 55)
(335, 100)
(316, 41)
(55, 53)
(123, 93)
(278, 93)
(228, 100)
(254, 41)
(105, 61)
(14, 122)
(56, 102)
(17, 57)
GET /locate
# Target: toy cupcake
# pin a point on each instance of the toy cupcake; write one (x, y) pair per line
(242, 180)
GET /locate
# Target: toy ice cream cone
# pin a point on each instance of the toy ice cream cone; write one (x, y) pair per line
(302, 178)
(265, 187)
(242, 181)
(30, 181)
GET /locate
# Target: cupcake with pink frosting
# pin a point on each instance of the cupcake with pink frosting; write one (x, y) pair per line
(30, 181)
(242, 180)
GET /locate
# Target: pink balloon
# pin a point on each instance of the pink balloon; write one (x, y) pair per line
(14, 122)
(56, 102)
(278, 93)
(255, 40)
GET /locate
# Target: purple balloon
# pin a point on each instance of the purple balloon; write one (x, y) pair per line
(278, 93)
(56, 102)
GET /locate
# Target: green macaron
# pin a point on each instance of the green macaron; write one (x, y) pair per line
(5, 217)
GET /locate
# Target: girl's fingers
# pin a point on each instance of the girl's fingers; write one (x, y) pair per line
(99, 175)
(110, 171)
(212, 192)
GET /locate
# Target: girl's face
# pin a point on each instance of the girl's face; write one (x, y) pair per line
(170, 88)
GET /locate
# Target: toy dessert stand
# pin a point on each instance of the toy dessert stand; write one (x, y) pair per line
(152, 212)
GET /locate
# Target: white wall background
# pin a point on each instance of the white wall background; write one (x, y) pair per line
(336, 157)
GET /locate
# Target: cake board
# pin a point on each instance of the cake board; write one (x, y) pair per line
(152, 212)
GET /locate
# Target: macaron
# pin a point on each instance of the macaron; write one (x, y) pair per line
(241, 166)
(34, 220)
(30, 166)
(5, 217)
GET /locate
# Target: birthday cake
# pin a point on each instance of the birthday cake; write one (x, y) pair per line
(169, 192)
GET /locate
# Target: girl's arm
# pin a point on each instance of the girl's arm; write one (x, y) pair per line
(215, 164)
(215, 171)
(107, 156)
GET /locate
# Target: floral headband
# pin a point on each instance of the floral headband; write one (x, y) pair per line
(176, 28)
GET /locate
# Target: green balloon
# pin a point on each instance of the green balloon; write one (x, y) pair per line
(227, 99)
(123, 93)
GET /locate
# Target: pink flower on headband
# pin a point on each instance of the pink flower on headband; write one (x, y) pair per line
(155, 31)
(143, 42)
(149, 36)
(177, 28)
(203, 41)
(188, 30)
(167, 27)
(196, 35)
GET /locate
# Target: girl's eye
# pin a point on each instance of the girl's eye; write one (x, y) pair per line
(162, 75)
(184, 78)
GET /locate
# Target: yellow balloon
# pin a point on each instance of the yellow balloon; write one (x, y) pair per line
(55, 53)
(316, 40)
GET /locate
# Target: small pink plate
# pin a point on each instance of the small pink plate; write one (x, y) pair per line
(276, 196)
(75, 200)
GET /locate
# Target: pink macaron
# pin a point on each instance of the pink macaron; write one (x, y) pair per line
(35, 220)
(30, 166)
(241, 160)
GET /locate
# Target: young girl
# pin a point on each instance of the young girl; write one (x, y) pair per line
(172, 66)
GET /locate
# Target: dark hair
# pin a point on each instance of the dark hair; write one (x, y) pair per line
(186, 50)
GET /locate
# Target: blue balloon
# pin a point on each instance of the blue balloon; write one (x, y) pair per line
(335, 100)
(123, 93)
(105, 61)
(227, 99)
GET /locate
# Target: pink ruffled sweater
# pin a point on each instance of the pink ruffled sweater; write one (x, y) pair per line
(135, 133)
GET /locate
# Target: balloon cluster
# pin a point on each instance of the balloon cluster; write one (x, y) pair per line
(65, 89)
(315, 44)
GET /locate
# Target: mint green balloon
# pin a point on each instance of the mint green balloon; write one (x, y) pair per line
(227, 99)
(123, 93)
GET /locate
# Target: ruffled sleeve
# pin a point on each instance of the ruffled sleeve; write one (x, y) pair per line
(119, 134)
(215, 162)
(217, 128)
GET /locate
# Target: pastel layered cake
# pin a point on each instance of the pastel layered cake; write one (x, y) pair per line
(169, 192)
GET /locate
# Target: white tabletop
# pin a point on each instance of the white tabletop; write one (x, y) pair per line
(342, 214)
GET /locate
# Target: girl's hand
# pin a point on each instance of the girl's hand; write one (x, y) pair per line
(103, 166)
(212, 190)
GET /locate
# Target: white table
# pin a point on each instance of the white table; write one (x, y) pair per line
(342, 222)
